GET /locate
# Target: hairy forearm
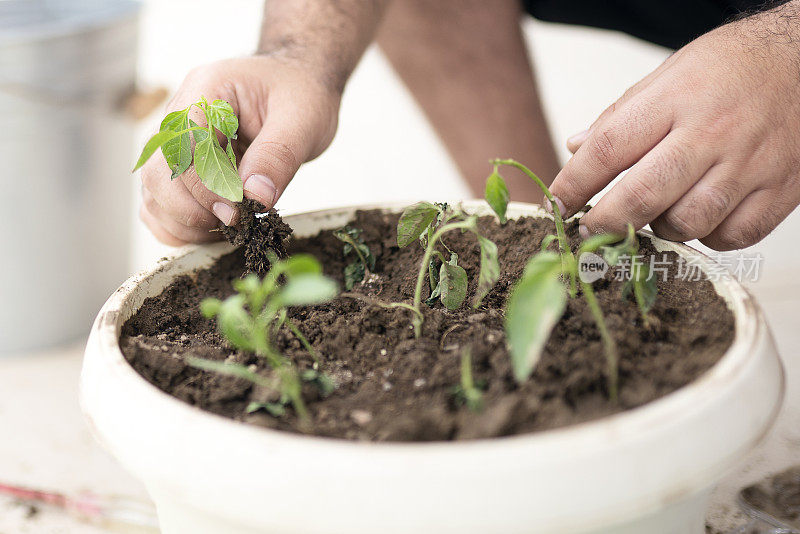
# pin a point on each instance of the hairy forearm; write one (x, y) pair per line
(329, 35)
(466, 63)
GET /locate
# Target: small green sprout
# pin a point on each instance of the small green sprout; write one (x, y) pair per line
(358, 270)
(642, 284)
(539, 298)
(216, 167)
(538, 301)
(250, 319)
(429, 223)
(497, 197)
(468, 392)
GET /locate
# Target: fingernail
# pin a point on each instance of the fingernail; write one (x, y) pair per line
(223, 212)
(548, 206)
(262, 188)
(560, 205)
(583, 231)
(578, 138)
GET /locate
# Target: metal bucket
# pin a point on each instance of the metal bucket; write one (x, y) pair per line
(65, 154)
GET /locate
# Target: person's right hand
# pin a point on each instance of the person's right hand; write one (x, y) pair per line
(286, 117)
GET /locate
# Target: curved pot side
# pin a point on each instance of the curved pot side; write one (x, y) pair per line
(588, 477)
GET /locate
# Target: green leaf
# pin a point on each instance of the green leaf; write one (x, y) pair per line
(152, 145)
(548, 240)
(178, 151)
(642, 285)
(414, 220)
(307, 289)
(536, 304)
(223, 118)
(629, 246)
(248, 284)
(452, 284)
(490, 270)
(353, 273)
(497, 195)
(231, 155)
(235, 323)
(325, 383)
(229, 369)
(199, 135)
(210, 307)
(597, 241)
(275, 409)
(302, 264)
(216, 172)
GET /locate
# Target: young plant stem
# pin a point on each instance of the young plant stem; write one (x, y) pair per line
(303, 341)
(426, 258)
(609, 345)
(563, 244)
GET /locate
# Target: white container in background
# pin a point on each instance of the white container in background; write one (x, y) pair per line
(649, 470)
(66, 67)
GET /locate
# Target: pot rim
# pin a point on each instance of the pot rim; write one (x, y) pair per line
(750, 327)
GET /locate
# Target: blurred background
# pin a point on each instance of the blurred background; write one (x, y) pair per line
(78, 80)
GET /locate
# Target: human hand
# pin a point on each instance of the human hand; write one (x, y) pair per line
(711, 139)
(286, 117)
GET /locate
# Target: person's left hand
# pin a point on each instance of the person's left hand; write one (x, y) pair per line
(712, 139)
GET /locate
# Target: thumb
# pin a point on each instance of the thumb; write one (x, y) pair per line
(273, 158)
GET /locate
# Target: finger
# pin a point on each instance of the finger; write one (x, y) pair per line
(157, 230)
(656, 182)
(612, 147)
(190, 234)
(704, 206)
(751, 221)
(274, 156)
(575, 141)
(174, 198)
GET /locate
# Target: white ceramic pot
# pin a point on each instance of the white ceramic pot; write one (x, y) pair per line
(645, 471)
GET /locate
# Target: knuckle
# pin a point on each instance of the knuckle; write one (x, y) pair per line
(195, 218)
(640, 198)
(603, 148)
(280, 158)
(195, 185)
(682, 225)
(715, 202)
(148, 177)
(667, 165)
(745, 234)
(201, 75)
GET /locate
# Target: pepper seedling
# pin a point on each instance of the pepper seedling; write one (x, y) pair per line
(358, 270)
(642, 284)
(251, 318)
(428, 223)
(538, 301)
(497, 196)
(539, 298)
(215, 166)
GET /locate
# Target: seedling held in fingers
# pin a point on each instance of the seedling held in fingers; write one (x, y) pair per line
(251, 318)
(215, 166)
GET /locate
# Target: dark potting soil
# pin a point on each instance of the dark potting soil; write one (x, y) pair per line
(393, 387)
(256, 233)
